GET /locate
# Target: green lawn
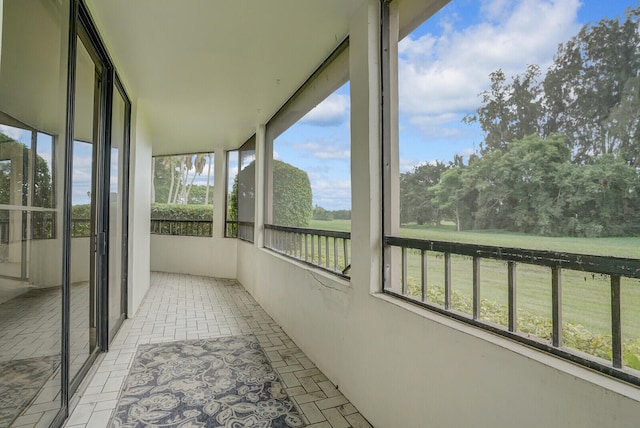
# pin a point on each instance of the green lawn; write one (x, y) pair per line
(619, 247)
(340, 225)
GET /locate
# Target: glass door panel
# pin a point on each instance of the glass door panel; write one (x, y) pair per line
(33, 76)
(83, 210)
(117, 182)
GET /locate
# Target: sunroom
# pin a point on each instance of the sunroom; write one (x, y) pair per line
(420, 213)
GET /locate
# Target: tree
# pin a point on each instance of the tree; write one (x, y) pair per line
(232, 201)
(341, 214)
(320, 213)
(198, 195)
(532, 186)
(509, 110)
(591, 94)
(456, 196)
(292, 197)
(416, 198)
(587, 82)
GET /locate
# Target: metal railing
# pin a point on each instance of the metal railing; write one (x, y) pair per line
(613, 267)
(231, 229)
(245, 231)
(43, 225)
(80, 227)
(202, 228)
(326, 249)
(4, 231)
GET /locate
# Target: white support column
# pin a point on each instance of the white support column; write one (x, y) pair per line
(366, 176)
(219, 193)
(139, 209)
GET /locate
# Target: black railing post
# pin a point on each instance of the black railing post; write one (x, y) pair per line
(511, 284)
(556, 306)
(476, 288)
(447, 280)
(326, 250)
(423, 276)
(404, 271)
(346, 253)
(616, 324)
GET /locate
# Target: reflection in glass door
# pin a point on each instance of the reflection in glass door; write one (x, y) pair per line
(117, 209)
(84, 192)
(33, 84)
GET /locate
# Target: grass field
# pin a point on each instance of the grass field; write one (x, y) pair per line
(585, 297)
(340, 225)
(617, 247)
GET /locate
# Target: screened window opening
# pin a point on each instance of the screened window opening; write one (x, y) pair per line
(511, 196)
(182, 195)
(308, 202)
(231, 221)
(245, 190)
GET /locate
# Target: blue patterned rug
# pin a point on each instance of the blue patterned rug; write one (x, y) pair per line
(223, 382)
(20, 382)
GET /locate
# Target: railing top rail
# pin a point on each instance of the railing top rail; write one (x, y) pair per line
(583, 262)
(319, 232)
(182, 220)
(245, 223)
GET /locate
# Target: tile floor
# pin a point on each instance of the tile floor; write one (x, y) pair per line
(180, 307)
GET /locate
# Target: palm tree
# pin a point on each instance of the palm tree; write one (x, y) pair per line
(206, 196)
(167, 162)
(198, 164)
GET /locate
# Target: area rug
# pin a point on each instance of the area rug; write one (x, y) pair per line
(223, 382)
(20, 381)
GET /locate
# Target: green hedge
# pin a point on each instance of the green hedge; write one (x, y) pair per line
(574, 336)
(181, 212)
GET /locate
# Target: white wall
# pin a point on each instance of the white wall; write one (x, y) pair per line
(194, 255)
(139, 210)
(400, 365)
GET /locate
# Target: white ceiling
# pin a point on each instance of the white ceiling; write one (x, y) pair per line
(206, 72)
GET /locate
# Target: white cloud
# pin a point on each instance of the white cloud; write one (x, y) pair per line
(444, 74)
(337, 154)
(407, 165)
(307, 146)
(332, 194)
(495, 10)
(16, 133)
(323, 151)
(333, 111)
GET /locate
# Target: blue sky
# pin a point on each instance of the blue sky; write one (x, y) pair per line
(443, 66)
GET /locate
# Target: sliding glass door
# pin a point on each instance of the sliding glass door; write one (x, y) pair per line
(118, 207)
(64, 125)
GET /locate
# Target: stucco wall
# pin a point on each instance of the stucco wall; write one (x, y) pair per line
(194, 255)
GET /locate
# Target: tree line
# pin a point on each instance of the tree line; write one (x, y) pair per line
(561, 151)
(320, 213)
